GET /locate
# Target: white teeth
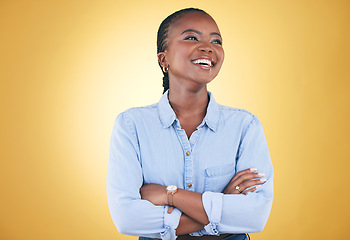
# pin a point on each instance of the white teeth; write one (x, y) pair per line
(203, 61)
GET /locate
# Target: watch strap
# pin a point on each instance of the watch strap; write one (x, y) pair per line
(170, 209)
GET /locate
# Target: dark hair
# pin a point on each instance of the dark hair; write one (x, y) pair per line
(162, 36)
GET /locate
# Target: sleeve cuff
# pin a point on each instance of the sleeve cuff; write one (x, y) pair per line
(198, 233)
(212, 203)
(171, 222)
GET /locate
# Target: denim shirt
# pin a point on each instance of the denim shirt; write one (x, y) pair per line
(149, 146)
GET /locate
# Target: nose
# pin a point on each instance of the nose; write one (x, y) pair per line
(205, 48)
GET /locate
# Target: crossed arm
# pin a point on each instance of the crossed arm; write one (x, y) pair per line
(194, 217)
(228, 212)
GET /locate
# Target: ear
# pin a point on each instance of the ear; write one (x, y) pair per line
(162, 59)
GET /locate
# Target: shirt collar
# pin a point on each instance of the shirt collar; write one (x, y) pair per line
(167, 115)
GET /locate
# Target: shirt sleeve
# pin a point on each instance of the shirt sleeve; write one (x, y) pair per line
(131, 214)
(238, 213)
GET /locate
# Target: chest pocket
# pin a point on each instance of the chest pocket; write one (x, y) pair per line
(217, 178)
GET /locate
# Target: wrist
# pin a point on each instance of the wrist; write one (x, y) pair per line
(165, 196)
(171, 190)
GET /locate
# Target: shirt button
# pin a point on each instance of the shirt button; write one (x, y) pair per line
(189, 185)
(188, 153)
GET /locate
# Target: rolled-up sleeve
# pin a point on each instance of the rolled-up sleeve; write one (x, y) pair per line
(238, 213)
(131, 214)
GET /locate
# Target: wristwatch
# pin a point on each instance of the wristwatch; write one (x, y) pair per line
(170, 191)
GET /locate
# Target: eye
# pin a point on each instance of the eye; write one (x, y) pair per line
(191, 38)
(217, 41)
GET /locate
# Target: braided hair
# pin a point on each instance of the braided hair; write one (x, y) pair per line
(163, 37)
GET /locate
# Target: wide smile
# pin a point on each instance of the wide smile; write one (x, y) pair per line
(204, 63)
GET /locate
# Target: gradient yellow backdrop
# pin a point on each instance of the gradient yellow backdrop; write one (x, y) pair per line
(67, 68)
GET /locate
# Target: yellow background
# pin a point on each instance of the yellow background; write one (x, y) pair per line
(67, 68)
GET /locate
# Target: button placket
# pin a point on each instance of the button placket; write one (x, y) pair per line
(188, 164)
(188, 168)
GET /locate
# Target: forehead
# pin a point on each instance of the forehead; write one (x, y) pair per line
(196, 20)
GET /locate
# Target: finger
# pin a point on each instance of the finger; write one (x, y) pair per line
(251, 183)
(237, 175)
(238, 189)
(232, 188)
(251, 189)
(246, 177)
(244, 181)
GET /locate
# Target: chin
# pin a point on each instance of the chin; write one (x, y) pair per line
(200, 81)
(205, 79)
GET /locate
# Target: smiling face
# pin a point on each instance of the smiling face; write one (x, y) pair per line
(194, 51)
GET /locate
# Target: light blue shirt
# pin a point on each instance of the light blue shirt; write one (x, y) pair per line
(149, 146)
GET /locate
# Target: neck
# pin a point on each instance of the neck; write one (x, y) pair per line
(185, 102)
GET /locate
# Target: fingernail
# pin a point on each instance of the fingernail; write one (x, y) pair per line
(253, 169)
(261, 174)
(263, 180)
(256, 187)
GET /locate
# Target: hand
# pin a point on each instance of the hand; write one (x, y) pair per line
(154, 193)
(244, 180)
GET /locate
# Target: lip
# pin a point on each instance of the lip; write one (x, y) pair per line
(205, 67)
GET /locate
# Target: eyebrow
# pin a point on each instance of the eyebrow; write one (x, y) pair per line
(198, 32)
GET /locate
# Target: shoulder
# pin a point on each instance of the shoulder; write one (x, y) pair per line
(236, 118)
(239, 114)
(137, 112)
(137, 115)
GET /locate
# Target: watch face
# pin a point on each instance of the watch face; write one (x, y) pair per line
(171, 188)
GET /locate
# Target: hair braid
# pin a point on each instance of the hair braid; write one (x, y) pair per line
(163, 37)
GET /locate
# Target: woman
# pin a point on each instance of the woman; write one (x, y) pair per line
(187, 166)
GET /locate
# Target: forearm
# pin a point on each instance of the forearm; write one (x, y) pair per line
(191, 204)
(188, 225)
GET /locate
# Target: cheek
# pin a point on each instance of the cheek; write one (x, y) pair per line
(179, 56)
(183, 51)
(222, 54)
